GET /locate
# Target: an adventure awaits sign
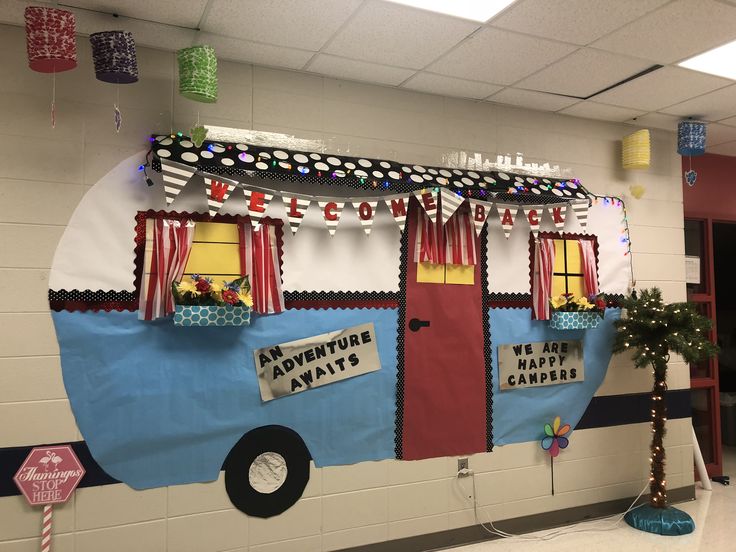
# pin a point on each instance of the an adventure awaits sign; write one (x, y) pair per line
(299, 365)
(537, 364)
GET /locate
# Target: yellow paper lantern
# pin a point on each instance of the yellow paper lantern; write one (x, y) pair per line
(636, 153)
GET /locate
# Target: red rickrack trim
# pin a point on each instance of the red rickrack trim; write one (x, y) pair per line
(94, 306)
(388, 304)
(515, 304)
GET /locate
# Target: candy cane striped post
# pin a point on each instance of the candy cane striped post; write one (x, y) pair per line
(48, 514)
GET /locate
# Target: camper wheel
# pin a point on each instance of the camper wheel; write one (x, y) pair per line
(267, 470)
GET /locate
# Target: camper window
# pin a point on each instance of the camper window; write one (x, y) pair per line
(215, 252)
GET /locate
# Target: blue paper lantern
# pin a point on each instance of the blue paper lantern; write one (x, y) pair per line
(691, 138)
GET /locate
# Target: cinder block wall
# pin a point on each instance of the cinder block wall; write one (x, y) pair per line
(44, 173)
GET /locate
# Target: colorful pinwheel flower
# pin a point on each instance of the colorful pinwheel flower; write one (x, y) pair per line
(554, 437)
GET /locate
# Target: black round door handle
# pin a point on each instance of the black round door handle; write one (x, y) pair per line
(415, 324)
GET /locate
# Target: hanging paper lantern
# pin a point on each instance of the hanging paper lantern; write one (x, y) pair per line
(636, 152)
(50, 39)
(198, 73)
(691, 138)
(113, 53)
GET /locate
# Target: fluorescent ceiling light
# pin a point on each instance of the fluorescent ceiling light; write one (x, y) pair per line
(719, 61)
(477, 10)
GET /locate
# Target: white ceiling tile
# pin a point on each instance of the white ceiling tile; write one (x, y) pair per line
(675, 32)
(584, 72)
(593, 110)
(728, 148)
(306, 24)
(449, 86)
(155, 35)
(661, 88)
(253, 52)
(532, 99)
(576, 21)
(713, 106)
(718, 134)
(398, 35)
(657, 120)
(351, 69)
(185, 13)
(500, 57)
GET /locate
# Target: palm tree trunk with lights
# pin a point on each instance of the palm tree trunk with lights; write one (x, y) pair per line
(650, 330)
(657, 483)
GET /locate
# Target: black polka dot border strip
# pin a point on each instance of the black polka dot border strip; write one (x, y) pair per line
(240, 159)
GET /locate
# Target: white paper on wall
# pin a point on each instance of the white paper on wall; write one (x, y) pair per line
(508, 260)
(96, 249)
(347, 261)
(614, 271)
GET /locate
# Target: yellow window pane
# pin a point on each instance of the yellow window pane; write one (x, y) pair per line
(558, 285)
(574, 262)
(576, 285)
(460, 274)
(214, 258)
(430, 273)
(559, 265)
(216, 232)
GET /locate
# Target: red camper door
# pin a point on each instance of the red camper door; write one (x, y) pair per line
(444, 362)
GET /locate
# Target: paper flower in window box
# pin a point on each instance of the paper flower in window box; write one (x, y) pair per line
(202, 302)
(571, 313)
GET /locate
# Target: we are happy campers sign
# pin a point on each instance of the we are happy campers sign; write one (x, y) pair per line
(538, 364)
(300, 365)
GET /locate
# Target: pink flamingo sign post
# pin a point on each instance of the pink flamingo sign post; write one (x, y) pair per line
(49, 476)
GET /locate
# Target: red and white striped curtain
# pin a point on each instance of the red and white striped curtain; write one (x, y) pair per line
(429, 242)
(453, 243)
(544, 262)
(460, 240)
(590, 272)
(169, 243)
(259, 260)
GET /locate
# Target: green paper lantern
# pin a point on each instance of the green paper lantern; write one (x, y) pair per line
(198, 73)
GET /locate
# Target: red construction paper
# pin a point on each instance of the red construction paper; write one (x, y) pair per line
(444, 366)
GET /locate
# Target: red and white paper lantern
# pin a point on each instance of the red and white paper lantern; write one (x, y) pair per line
(50, 39)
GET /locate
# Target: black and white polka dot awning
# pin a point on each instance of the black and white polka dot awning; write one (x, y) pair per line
(233, 160)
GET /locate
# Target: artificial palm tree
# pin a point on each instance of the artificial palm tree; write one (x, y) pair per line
(652, 330)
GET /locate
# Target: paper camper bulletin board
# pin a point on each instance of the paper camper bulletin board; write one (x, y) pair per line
(436, 262)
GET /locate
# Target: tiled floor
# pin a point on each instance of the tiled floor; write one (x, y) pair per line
(715, 528)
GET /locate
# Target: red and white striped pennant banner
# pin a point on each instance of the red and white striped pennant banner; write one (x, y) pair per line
(428, 200)
(257, 202)
(558, 213)
(175, 177)
(581, 210)
(296, 207)
(507, 213)
(331, 211)
(398, 205)
(479, 210)
(533, 215)
(218, 190)
(450, 203)
(366, 213)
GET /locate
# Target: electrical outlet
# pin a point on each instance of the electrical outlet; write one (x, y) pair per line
(462, 464)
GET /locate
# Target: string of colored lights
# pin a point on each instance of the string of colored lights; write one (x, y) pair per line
(616, 201)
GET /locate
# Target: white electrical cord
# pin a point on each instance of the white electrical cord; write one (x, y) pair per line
(581, 527)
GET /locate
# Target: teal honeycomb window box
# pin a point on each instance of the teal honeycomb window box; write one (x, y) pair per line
(211, 315)
(574, 320)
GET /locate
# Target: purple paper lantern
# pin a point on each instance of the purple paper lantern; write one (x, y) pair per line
(113, 53)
